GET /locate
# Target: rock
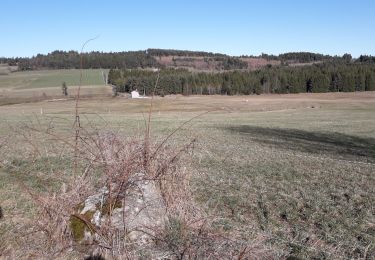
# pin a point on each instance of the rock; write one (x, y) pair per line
(140, 208)
(92, 201)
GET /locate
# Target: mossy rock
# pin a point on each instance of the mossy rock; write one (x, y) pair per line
(78, 226)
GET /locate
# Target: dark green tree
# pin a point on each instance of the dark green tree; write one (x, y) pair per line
(64, 89)
(309, 85)
(347, 57)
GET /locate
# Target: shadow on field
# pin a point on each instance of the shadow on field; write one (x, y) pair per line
(335, 144)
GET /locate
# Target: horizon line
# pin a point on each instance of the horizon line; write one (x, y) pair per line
(204, 51)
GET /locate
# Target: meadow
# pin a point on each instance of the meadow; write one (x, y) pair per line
(31, 86)
(297, 169)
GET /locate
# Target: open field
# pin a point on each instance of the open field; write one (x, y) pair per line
(50, 78)
(32, 86)
(298, 169)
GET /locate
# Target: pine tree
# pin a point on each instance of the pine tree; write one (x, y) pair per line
(64, 89)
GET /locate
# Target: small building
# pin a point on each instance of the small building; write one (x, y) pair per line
(135, 94)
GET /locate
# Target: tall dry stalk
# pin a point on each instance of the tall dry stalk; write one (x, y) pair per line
(77, 122)
(148, 125)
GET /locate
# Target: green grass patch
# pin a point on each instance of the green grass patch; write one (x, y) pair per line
(51, 78)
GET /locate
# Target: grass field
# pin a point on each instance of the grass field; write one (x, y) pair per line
(50, 78)
(32, 86)
(298, 169)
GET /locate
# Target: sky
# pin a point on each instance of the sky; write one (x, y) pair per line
(234, 27)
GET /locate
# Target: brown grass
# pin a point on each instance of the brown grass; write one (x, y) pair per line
(259, 160)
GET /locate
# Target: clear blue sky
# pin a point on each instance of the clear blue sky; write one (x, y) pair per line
(233, 27)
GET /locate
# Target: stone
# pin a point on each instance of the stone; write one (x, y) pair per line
(141, 208)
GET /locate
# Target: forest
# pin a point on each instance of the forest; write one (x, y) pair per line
(322, 77)
(91, 60)
(297, 72)
(149, 59)
(128, 60)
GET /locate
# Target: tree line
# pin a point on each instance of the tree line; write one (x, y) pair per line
(169, 52)
(322, 77)
(91, 60)
(149, 58)
(128, 60)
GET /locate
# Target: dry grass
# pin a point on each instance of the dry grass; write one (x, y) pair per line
(282, 169)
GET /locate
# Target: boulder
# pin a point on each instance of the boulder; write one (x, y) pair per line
(138, 210)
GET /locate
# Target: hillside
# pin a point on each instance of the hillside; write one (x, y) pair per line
(196, 72)
(161, 58)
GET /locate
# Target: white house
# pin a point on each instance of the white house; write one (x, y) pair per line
(135, 94)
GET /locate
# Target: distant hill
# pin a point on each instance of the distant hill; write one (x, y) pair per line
(196, 72)
(164, 58)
